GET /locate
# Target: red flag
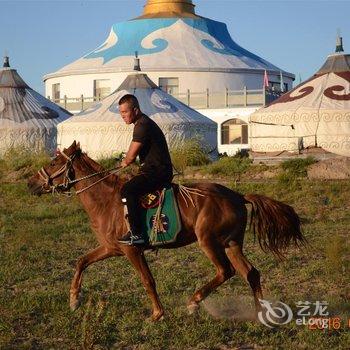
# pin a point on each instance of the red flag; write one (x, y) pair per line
(266, 80)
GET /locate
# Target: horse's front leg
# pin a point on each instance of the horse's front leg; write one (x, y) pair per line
(137, 258)
(84, 261)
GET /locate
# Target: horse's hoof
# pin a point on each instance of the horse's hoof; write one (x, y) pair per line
(192, 308)
(74, 302)
(156, 318)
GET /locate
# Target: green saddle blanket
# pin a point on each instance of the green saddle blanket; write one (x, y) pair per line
(160, 217)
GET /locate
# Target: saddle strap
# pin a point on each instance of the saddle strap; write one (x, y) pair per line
(157, 223)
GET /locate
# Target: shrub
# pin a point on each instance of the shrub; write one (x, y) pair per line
(293, 170)
(229, 166)
(108, 163)
(297, 167)
(190, 153)
(18, 158)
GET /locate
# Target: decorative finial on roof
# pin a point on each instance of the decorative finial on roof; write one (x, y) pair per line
(137, 67)
(339, 43)
(6, 62)
(169, 6)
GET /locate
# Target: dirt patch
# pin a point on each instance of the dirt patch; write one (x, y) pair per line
(334, 168)
(256, 174)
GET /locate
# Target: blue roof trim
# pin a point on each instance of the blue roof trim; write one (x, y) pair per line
(131, 33)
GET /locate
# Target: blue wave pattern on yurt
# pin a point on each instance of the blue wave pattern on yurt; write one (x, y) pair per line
(157, 103)
(218, 31)
(161, 104)
(131, 34)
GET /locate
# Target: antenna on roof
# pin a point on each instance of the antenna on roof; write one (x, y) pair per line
(339, 43)
(137, 67)
(6, 60)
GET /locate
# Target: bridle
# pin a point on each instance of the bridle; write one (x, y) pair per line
(67, 183)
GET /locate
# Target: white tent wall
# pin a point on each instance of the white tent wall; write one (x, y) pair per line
(103, 140)
(34, 139)
(99, 140)
(77, 85)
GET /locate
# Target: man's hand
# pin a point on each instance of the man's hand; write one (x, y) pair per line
(123, 163)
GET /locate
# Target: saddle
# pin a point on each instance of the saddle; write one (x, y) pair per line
(160, 216)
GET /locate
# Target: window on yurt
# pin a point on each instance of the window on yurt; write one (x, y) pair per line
(102, 88)
(169, 85)
(234, 131)
(56, 92)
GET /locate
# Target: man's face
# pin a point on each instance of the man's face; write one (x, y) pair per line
(128, 113)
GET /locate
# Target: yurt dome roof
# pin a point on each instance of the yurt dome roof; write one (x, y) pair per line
(338, 62)
(9, 78)
(156, 103)
(137, 81)
(169, 36)
(26, 118)
(101, 130)
(19, 103)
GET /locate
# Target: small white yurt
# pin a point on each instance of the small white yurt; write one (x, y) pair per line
(27, 119)
(101, 131)
(314, 114)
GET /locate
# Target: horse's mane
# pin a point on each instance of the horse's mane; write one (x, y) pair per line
(91, 163)
(111, 181)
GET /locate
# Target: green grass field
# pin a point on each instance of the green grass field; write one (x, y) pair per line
(41, 239)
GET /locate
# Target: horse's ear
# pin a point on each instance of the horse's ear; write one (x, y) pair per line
(74, 144)
(78, 145)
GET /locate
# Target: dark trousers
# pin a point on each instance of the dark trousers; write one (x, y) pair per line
(133, 190)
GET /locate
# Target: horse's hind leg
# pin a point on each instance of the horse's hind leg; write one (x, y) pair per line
(84, 261)
(246, 269)
(216, 253)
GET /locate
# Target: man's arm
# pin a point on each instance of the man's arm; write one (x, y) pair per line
(132, 153)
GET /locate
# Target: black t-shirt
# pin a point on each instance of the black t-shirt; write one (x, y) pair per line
(154, 154)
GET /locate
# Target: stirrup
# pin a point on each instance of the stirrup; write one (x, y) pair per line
(130, 239)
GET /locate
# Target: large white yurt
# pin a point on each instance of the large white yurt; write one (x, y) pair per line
(27, 119)
(102, 132)
(179, 50)
(315, 113)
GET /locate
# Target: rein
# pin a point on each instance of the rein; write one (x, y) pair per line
(67, 182)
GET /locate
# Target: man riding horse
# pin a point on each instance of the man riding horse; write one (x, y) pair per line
(148, 142)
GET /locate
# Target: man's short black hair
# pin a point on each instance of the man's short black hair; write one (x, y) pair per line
(131, 100)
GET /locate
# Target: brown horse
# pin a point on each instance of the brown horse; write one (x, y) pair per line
(216, 220)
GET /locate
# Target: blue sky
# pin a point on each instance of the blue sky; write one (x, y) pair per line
(42, 36)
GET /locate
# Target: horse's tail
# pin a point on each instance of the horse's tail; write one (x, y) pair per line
(274, 223)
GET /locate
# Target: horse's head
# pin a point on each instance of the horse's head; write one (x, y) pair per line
(55, 176)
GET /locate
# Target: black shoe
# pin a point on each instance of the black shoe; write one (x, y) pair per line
(131, 239)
